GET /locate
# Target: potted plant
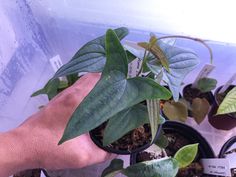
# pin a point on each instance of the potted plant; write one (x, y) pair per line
(177, 136)
(196, 102)
(177, 157)
(159, 167)
(120, 99)
(197, 97)
(223, 112)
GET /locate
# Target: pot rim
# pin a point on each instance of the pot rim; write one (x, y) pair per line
(192, 134)
(210, 93)
(226, 146)
(124, 152)
(217, 103)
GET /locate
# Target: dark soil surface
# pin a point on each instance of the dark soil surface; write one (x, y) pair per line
(131, 141)
(193, 170)
(176, 141)
(29, 173)
(190, 93)
(145, 156)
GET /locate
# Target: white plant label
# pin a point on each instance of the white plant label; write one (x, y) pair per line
(56, 62)
(231, 156)
(136, 64)
(206, 70)
(228, 83)
(218, 167)
(134, 67)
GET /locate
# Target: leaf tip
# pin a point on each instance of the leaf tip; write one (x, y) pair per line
(62, 140)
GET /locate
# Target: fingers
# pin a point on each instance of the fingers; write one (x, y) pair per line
(89, 79)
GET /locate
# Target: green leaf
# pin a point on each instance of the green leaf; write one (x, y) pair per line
(130, 56)
(155, 67)
(116, 56)
(200, 108)
(161, 56)
(186, 155)
(63, 84)
(154, 168)
(175, 111)
(115, 167)
(50, 89)
(181, 62)
(72, 78)
(206, 84)
(90, 58)
(157, 52)
(153, 115)
(113, 92)
(126, 120)
(162, 140)
(229, 103)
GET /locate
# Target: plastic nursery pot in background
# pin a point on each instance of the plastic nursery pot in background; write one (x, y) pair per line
(183, 134)
(224, 121)
(122, 146)
(228, 151)
(189, 93)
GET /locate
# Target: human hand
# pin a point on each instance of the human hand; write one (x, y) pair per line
(39, 135)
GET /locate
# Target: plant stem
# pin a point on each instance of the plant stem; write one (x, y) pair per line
(144, 61)
(194, 39)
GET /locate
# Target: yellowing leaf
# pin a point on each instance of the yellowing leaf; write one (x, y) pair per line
(200, 108)
(186, 155)
(152, 41)
(158, 53)
(175, 111)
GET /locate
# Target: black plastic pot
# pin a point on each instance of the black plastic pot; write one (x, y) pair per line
(224, 121)
(193, 136)
(226, 146)
(122, 152)
(208, 95)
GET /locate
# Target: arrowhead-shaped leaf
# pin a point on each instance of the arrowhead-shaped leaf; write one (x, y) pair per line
(186, 155)
(200, 108)
(126, 120)
(229, 103)
(113, 92)
(206, 84)
(154, 168)
(91, 57)
(181, 62)
(175, 111)
(115, 167)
